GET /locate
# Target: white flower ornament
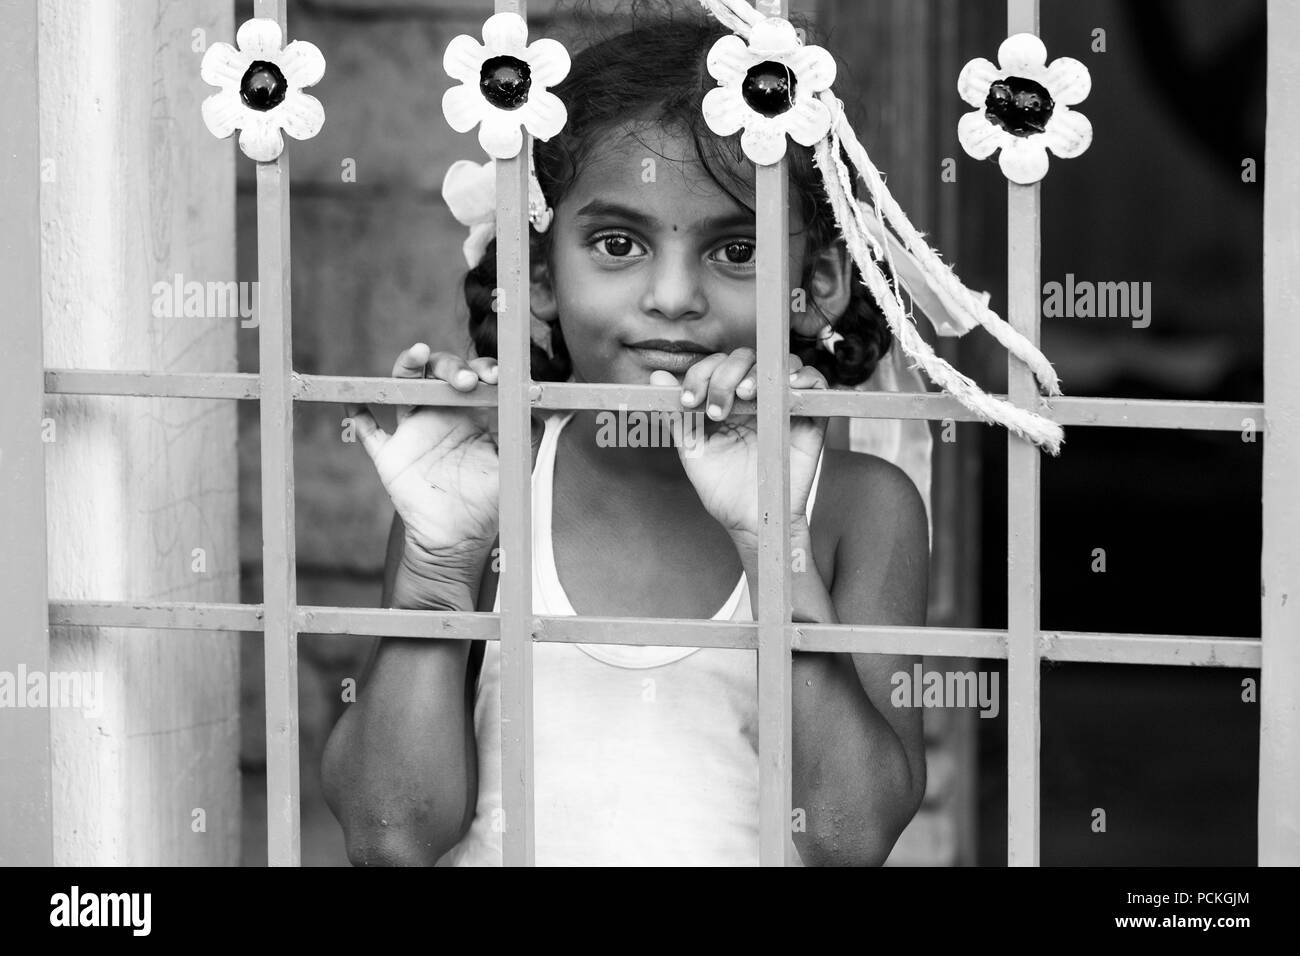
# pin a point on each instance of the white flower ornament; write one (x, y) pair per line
(1023, 108)
(504, 84)
(470, 192)
(261, 89)
(769, 87)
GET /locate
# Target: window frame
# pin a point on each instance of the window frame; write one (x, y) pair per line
(277, 388)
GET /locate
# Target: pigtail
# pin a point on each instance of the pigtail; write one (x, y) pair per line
(866, 340)
(865, 334)
(480, 282)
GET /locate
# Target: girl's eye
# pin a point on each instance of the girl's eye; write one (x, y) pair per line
(615, 244)
(739, 252)
(618, 245)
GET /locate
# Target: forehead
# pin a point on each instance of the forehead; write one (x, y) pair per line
(658, 170)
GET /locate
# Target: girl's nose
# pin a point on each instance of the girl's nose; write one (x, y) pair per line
(675, 289)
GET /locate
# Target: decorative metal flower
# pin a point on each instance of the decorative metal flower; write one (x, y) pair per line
(261, 89)
(769, 87)
(1023, 107)
(504, 84)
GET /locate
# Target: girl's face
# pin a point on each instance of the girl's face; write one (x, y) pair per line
(653, 265)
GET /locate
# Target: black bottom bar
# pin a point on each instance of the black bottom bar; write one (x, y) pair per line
(983, 907)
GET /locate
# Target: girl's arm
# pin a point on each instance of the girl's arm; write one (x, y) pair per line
(858, 761)
(400, 767)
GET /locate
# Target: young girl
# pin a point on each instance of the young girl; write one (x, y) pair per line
(644, 755)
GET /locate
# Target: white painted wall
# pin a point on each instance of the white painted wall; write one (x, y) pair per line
(136, 191)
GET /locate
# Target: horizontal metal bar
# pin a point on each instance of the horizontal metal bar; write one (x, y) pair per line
(1076, 646)
(69, 381)
(933, 406)
(881, 639)
(1154, 649)
(185, 615)
(645, 398)
(989, 644)
(391, 622)
(1143, 413)
(388, 391)
(1102, 412)
(659, 632)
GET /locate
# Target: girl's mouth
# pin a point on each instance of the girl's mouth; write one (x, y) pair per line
(670, 356)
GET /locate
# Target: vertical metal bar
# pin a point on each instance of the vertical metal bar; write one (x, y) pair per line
(516, 579)
(279, 584)
(1023, 543)
(26, 835)
(775, 721)
(1279, 692)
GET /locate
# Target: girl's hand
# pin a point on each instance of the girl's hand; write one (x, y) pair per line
(440, 469)
(722, 463)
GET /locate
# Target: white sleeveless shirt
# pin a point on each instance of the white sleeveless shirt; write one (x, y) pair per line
(643, 755)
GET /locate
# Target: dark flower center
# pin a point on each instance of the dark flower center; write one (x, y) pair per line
(263, 86)
(504, 82)
(769, 88)
(1021, 107)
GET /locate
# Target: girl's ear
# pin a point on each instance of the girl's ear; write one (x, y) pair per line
(542, 293)
(832, 288)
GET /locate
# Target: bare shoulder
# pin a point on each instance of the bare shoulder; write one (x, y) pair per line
(877, 518)
(864, 490)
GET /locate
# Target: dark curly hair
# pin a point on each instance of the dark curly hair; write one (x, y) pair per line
(656, 72)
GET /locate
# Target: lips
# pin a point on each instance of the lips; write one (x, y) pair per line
(676, 355)
(673, 345)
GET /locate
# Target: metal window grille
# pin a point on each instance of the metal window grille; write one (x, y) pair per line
(26, 783)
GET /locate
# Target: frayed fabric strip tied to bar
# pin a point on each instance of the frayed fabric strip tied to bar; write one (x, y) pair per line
(869, 230)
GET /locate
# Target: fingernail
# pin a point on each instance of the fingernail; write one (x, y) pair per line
(688, 398)
(715, 412)
(465, 377)
(793, 376)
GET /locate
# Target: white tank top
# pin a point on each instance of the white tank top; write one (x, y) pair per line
(643, 755)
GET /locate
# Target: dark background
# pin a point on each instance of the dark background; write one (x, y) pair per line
(1170, 753)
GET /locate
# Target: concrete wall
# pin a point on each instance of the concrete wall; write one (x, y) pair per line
(141, 493)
